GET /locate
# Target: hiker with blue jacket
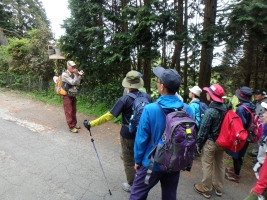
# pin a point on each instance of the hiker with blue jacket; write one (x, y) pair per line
(194, 94)
(151, 127)
(212, 153)
(244, 95)
(123, 106)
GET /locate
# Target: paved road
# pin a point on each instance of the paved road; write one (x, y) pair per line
(41, 159)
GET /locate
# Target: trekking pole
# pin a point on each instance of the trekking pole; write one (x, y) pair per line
(92, 140)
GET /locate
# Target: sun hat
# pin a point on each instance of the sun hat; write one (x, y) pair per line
(195, 90)
(169, 77)
(216, 92)
(133, 80)
(244, 94)
(71, 63)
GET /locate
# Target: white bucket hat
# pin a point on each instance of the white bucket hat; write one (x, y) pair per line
(195, 90)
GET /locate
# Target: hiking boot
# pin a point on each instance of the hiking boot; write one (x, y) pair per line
(74, 130)
(229, 170)
(218, 192)
(126, 187)
(232, 177)
(198, 188)
(77, 126)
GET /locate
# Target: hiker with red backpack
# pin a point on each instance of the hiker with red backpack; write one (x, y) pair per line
(244, 95)
(212, 153)
(150, 130)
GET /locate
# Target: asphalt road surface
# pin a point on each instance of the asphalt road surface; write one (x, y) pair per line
(41, 159)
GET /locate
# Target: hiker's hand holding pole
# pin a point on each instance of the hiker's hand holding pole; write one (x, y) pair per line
(86, 124)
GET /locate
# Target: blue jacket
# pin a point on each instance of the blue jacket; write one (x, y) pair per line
(152, 125)
(195, 107)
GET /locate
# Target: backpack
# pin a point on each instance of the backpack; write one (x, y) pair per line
(255, 128)
(138, 105)
(58, 87)
(175, 150)
(232, 135)
(202, 108)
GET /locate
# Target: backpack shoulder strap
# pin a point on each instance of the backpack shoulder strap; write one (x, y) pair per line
(160, 108)
(247, 109)
(131, 95)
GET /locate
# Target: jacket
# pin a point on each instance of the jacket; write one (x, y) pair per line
(152, 125)
(195, 107)
(211, 123)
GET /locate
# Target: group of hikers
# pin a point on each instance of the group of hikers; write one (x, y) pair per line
(136, 147)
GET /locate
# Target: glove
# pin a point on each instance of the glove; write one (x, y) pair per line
(86, 124)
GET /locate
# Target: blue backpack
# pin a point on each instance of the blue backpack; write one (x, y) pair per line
(138, 105)
(202, 107)
(175, 150)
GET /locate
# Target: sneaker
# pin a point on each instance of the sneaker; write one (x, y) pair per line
(229, 170)
(198, 188)
(74, 130)
(77, 126)
(232, 177)
(126, 187)
(218, 192)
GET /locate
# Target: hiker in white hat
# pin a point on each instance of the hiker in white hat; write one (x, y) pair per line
(194, 94)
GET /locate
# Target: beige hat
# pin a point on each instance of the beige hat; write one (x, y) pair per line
(71, 63)
(195, 90)
(133, 80)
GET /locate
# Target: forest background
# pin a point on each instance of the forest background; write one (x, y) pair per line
(108, 38)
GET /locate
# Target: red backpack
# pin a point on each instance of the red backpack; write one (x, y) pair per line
(232, 134)
(255, 128)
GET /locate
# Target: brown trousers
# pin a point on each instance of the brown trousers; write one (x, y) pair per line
(69, 104)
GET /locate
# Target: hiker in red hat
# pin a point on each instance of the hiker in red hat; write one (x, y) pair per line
(212, 153)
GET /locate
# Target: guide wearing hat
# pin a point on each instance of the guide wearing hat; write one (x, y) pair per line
(123, 106)
(70, 79)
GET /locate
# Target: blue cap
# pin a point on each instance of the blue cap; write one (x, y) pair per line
(169, 77)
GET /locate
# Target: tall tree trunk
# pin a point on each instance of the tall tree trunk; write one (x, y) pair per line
(147, 59)
(185, 53)
(126, 65)
(176, 58)
(207, 45)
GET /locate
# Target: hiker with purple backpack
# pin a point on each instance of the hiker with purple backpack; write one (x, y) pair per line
(212, 153)
(150, 130)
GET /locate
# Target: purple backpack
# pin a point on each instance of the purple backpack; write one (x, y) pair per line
(175, 150)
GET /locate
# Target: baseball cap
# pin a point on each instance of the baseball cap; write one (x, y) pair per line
(169, 77)
(260, 91)
(71, 63)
